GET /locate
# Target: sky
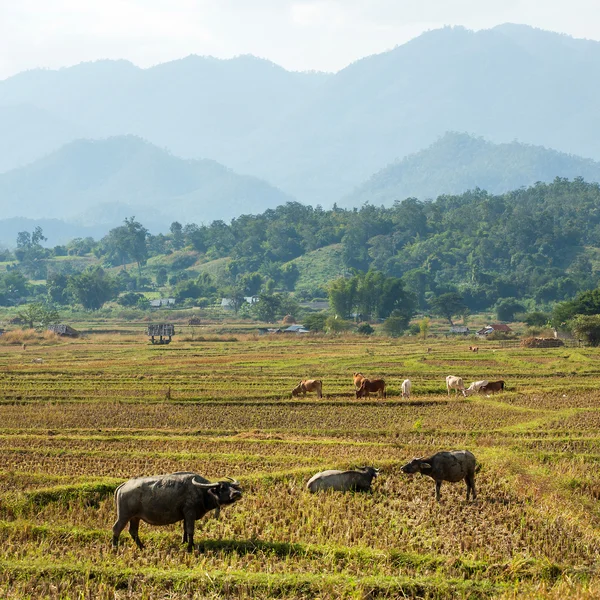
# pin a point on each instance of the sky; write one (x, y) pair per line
(299, 35)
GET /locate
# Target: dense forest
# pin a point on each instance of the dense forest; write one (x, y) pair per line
(522, 250)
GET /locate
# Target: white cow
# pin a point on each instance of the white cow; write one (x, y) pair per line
(406, 388)
(474, 387)
(455, 383)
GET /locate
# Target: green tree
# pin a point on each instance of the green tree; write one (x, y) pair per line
(177, 236)
(267, 307)
(161, 276)
(586, 327)
(448, 305)
(395, 325)
(534, 319)
(424, 324)
(92, 288)
(316, 321)
(38, 316)
(56, 288)
(506, 308)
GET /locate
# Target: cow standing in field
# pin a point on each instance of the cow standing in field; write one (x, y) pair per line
(475, 387)
(492, 387)
(358, 379)
(406, 385)
(358, 480)
(446, 466)
(455, 383)
(309, 385)
(167, 499)
(474, 348)
(371, 386)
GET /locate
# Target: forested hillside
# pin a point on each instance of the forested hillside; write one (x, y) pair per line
(458, 162)
(531, 247)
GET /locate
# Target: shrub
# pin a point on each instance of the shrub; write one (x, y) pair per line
(316, 321)
(394, 326)
(586, 327)
(335, 325)
(365, 329)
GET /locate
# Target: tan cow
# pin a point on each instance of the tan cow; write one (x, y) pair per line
(371, 385)
(358, 379)
(309, 385)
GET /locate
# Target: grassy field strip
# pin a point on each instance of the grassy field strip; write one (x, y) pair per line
(315, 557)
(249, 584)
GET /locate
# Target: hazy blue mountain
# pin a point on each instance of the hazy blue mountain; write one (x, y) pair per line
(196, 106)
(510, 82)
(100, 181)
(458, 162)
(316, 135)
(28, 132)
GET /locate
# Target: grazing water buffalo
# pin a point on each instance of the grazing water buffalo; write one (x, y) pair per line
(492, 387)
(309, 385)
(446, 466)
(371, 385)
(455, 383)
(166, 499)
(358, 480)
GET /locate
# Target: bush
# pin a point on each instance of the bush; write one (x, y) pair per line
(395, 326)
(316, 321)
(414, 329)
(533, 319)
(365, 329)
(586, 327)
(335, 325)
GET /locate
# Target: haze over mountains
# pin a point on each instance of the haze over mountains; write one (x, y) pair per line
(95, 181)
(315, 136)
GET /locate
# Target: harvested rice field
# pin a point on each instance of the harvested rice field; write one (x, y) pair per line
(79, 417)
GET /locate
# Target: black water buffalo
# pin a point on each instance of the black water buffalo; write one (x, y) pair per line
(446, 466)
(166, 499)
(343, 481)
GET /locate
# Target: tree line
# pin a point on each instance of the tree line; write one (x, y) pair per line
(513, 253)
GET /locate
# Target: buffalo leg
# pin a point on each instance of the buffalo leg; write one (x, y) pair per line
(471, 487)
(438, 485)
(117, 528)
(184, 538)
(188, 524)
(134, 526)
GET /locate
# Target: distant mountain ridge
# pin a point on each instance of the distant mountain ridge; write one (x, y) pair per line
(458, 162)
(316, 135)
(108, 180)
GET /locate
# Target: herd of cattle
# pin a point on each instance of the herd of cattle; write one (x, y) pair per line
(186, 496)
(364, 386)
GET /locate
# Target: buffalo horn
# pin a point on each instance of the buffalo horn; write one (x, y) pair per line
(205, 486)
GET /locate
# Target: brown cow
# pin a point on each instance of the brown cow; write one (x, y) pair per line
(474, 348)
(309, 385)
(492, 387)
(358, 379)
(371, 385)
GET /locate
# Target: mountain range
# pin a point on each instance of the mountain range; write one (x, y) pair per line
(73, 149)
(95, 182)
